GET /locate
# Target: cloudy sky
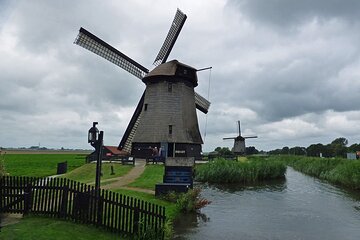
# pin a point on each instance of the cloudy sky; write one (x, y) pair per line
(288, 69)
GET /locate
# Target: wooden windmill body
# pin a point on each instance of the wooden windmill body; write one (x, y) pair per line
(239, 142)
(166, 113)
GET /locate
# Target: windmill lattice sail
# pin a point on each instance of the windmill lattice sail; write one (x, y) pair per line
(171, 37)
(94, 44)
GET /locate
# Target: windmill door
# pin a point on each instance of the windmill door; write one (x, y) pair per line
(164, 149)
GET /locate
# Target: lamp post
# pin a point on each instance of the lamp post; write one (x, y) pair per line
(96, 140)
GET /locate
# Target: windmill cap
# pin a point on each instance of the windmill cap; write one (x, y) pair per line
(172, 70)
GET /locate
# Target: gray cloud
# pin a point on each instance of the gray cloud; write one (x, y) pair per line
(289, 70)
(289, 13)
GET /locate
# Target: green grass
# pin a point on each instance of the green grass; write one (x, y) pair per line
(43, 228)
(86, 173)
(251, 171)
(152, 175)
(335, 170)
(171, 209)
(40, 165)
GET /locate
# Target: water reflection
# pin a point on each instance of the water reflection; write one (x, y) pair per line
(188, 223)
(277, 185)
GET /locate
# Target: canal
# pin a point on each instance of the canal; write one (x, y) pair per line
(300, 207)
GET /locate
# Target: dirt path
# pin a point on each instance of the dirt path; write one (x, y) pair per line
(9, 218)
(121, 182)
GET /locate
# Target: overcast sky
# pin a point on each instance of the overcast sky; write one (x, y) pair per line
(288, 69)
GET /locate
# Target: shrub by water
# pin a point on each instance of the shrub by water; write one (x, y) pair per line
(225, 171)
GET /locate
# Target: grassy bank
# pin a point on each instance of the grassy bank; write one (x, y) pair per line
(43, 228)
(152, 175)
(39, 165)
(253, 170)
(86, 173)
(338, 170)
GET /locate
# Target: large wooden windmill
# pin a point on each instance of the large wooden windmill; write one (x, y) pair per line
(239, 142)
(166, 113)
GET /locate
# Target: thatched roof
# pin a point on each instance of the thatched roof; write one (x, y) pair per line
(173, 68)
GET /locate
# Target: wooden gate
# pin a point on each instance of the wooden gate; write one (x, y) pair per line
(15, 194)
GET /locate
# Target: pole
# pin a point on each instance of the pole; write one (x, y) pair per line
(99, 146)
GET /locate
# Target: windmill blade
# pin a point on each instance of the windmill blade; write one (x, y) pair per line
(229, 138)
(239, 129)
(171, 37)
(131, 128)
(201, 103)
(94, 44)
(251, 137)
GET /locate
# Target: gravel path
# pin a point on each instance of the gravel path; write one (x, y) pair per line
(121, 182)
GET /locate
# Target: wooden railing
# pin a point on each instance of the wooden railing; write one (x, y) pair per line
(67, 199)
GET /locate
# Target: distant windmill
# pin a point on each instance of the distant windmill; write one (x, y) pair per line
(239, 142)
(166, 113)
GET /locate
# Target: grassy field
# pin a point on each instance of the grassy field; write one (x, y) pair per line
(253, 170)
(335, 170)
(40, 165)
(152, 175)
(43, 228)
(86, 173)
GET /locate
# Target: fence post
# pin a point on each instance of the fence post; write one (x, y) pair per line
(64, 202)
(27, 198)
(136, 216)
(2, 191)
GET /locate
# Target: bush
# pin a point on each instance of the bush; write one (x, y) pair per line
(188, 202)
(224, 171)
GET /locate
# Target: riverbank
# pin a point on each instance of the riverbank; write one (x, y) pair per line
(338, 171)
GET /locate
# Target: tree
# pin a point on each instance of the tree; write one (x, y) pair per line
(298, 150)
(338, 147)
(315, 150)
(340, 141)
(354, 148)
(225, 151)
(275, 152)
(251, 150)
(285, 150)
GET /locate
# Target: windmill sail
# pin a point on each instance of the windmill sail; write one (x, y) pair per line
(171, 37)
(130, 131)
(94, 44)
(201, 103)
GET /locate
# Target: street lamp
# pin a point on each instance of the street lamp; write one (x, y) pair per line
(96, 140)
(93, 134)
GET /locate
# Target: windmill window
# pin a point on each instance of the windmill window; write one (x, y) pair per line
(145, 106)
(170, 129)
(170, 87)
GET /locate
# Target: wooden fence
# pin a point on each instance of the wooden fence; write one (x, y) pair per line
(67, 199)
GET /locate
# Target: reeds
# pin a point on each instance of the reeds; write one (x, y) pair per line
(225, 171)
(335, 170)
